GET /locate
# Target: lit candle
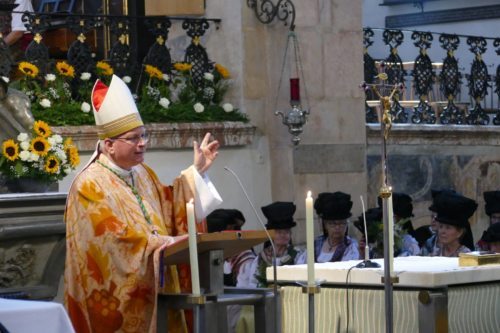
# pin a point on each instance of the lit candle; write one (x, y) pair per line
(294, 90)
(391, 235)
(310, 239)
(193, 249)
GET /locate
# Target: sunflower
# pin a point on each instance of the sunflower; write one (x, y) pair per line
(52, 165)
(68, 142)
(74, 158)
(153, 72)
(182, 66)
(10, 150)
(28, 69)
(40, 146)
(65, 69)
(104, 68)
(42, 129)
(222, 71)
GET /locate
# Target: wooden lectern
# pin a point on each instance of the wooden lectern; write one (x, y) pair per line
(213, 248)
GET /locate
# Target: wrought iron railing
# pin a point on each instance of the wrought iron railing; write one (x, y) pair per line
(120, 30)
(439, 86)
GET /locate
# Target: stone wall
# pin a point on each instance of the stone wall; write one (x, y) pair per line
(425, 157)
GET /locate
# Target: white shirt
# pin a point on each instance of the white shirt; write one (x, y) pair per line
(17, 22)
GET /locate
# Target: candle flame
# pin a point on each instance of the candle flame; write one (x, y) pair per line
(308, 194)
(191, 201)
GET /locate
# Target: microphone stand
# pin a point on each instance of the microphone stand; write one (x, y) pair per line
(367, 263)
(275, 282)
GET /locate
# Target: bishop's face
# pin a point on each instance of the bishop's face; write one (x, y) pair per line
(127, 149)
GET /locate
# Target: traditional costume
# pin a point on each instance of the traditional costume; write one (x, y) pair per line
(334, 206)
(118, 222)
(455, 209)
(279, 216)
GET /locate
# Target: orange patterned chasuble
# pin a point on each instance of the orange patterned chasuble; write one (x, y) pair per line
(112, 261)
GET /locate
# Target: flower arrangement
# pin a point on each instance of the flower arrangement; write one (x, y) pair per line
(62, 98)
(41, 155)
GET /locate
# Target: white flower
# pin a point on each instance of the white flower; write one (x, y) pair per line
(5, 79)
(50, 77)
(165, 77)
(67, 169)
(85, 76)
(61, 155)
(85, 107)
(199, 108)
(164, 102)
(24, 155)
(34, 157)
(57, 138)
(22, 137)
(45, 103)
(25, 145)
(127, 79)
(228, 107)
(208, 76)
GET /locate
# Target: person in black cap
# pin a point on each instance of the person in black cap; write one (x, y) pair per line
(374, 227)
(492, 206)
(334, 209)
(492, 209)
(432, 243)
(491, 238)
(453, 213)
(235, 266)
(280, 219)
(403, 212)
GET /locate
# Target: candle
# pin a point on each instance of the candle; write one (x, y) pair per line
(310, 240)
(193, 249)
(294, 90)
(390, 215)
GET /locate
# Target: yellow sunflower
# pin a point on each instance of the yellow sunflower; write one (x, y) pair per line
(222, 71)
(10, 150)
(28, 69)
(52, 164)
(67, 143)
(65, 69)
(74, 158)
(182, 66)
(40, 146)
(104, 68)
(42, 129)
(153, 72)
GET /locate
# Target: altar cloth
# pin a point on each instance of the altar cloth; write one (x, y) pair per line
(20, 316)
(428, 272)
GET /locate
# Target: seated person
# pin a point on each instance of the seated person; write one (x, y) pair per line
(453, 213)
(334, 210)
(231, 219)
(492, 209)
(280, 219)
(491, 238)
(375, 237)
(403, 212)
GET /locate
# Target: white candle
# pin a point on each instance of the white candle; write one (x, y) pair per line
(193, 249)
(310, 239)
(390, 215)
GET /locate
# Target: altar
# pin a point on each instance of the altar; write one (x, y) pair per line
(434, 294)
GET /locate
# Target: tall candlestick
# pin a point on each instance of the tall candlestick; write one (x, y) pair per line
(310, 239)
(294, 90)
(391, 235)
(193, 249)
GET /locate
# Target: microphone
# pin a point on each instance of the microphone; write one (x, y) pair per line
(367, 263)
(275, 283)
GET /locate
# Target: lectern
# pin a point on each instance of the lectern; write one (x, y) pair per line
(210, 309)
